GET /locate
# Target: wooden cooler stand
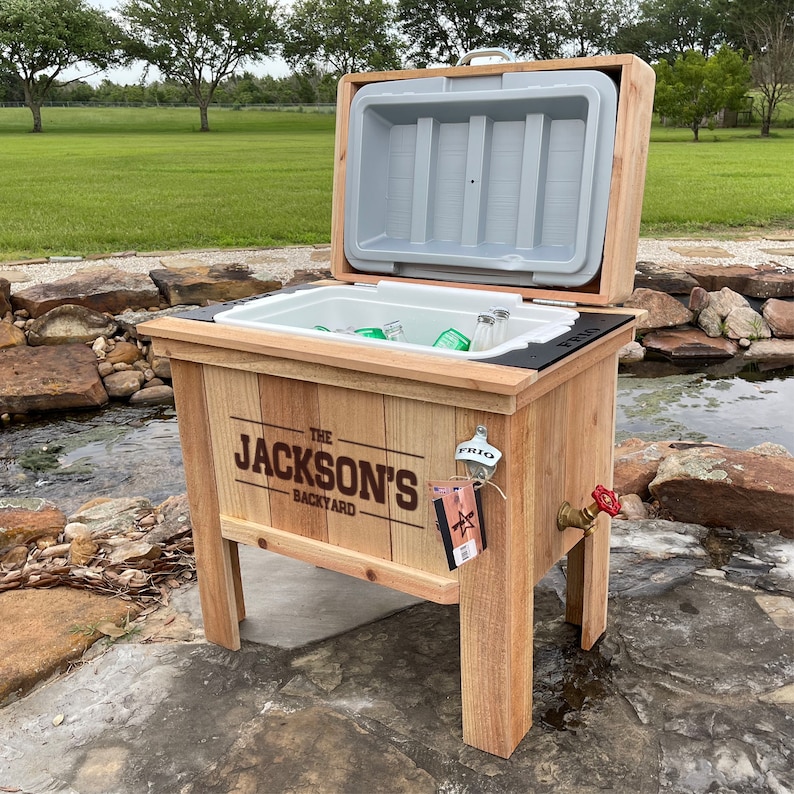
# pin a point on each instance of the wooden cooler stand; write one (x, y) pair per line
(321, 450)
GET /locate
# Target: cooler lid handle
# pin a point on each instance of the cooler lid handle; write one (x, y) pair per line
(488, 52)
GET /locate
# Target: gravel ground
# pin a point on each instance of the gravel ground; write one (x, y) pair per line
(281, 263)
(754, 252)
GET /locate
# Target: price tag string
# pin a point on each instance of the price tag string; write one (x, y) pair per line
(479, 483)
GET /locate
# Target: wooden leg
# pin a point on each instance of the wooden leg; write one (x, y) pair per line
(239, 598)
(496, 603)
(588, 560)
(588, 584)
(216, 561)
(596, 584)
(574, 591)
(496, 661)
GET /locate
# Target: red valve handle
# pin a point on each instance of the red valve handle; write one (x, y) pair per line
(606, 500)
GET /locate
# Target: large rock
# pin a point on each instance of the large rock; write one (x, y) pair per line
(724, 301)
(310, 276)
(5, 296)
(728, 488)
(631, 353)
(161, 367)
(34, 379)
(111, 517)
(698, 300)
(153, 395)
(134, 551)
(664, 278)
(174, 520)
(39, 636)
(744, 322)
(200, 285)
(664, 311)
(123, 353)
(11, 336)
(765, 281)
(129, 320)
(701, 251)
(70, 324)
(689, 343)
(24, 520)
(779, 315)
(120, 385)
(710, 322)
(774, 352)
(637, 461)
(104, 289)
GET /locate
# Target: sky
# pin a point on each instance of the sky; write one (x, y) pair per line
(132, 75)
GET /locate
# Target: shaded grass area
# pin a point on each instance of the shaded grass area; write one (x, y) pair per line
(111, 179)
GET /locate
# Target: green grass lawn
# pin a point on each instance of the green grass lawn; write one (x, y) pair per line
(111, 179)
(731, 179)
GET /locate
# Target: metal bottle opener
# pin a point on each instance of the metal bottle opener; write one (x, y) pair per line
(479, 456)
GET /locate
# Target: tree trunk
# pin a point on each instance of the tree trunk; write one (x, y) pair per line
(205, 125)
(35, 107)
(766, 123)
(696, 131)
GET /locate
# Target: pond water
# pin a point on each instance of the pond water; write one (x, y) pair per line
(122, 451)
(114, 452)
(656, 401)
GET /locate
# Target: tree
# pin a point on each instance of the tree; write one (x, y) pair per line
(77, 91)
(200, 42)
(41, 38)
(541, 31)
(673, 27)
(765, 29)
(341, 36)
(694, 87)
(10, 86)
(441, 31)
(771, 40)
(592, 28)
(737, 15)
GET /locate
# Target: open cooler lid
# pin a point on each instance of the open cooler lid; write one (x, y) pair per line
(501, 179)
(524, 177)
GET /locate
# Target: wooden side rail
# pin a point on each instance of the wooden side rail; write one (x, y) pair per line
(418, 583)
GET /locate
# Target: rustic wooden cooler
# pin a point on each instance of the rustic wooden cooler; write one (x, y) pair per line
(320, 449)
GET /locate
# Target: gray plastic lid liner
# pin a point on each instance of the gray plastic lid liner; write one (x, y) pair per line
(500, 179)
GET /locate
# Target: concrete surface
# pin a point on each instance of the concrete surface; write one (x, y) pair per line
(305, 604)
(691, 689)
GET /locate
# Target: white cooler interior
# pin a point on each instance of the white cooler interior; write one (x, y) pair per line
(425, 311)
(500, 179)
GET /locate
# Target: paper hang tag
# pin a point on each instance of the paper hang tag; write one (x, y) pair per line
(460, 520)
(479, 456)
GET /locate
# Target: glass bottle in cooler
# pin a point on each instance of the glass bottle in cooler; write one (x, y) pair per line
(483, 332)
(502, 315)
(394, 331)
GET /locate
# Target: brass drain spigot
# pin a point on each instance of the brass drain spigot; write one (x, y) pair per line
(605, 501)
